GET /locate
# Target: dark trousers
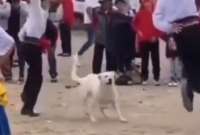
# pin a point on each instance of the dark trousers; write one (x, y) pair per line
(189, 53)
(21, 59)
(65, 33)
(98, 58)
(90, 40)
(123, 63)
(52, 61)
(150, 48)
(33, 57)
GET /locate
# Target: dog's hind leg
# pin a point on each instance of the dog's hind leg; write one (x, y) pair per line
(117, 108)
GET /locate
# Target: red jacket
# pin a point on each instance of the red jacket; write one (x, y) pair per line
(68, 12)
(144, 23)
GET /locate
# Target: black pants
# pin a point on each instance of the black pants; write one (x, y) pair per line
(33, 57)
(65, 33)
(98, 58)
(21, 59)
(150, 48)
(189, 52)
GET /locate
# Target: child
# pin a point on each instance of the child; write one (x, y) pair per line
(175, 63)
(148, 41)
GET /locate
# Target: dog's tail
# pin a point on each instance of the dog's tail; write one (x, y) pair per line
(74, 74)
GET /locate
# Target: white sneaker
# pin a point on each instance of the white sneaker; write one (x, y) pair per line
(170, 84)
(144, 83)
(175, 84)
(156, 83)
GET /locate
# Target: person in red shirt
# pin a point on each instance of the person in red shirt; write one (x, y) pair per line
(148, 40)
(66, 23)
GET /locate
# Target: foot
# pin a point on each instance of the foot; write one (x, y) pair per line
(145, 83)
(21, 80)
(172, 84)
(29, 113)
(54, 80)
(64, 54)
(187, 101)
(157, 83)
(123, 120)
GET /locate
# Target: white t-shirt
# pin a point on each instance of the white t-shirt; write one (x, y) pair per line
(92, 4)
(6, 42)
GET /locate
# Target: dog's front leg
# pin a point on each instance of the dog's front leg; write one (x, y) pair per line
(91, 104)
(117, 108)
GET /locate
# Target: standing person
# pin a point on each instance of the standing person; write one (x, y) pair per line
(100, 22)
(66, 9)
(89, 5)
(5, 10)
(19, 13)
(122, 39)
(30, 34)
(175, 64)
(183, 24)
(148, 41)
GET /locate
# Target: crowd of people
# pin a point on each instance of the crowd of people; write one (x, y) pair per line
(123, 32)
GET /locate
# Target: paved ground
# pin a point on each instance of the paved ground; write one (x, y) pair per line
(150, 110)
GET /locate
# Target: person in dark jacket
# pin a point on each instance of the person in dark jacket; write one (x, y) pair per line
(122, 37)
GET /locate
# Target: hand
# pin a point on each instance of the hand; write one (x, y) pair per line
(172, 44)
(177, 28)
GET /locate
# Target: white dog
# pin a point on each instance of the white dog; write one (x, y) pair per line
(97, 90)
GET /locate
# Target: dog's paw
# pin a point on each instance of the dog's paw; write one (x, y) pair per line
(93, 120)
(123, 120)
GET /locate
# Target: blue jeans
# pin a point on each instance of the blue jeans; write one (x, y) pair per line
(4, 125)
(90, 41)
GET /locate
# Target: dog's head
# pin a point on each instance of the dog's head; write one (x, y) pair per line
(107, 77)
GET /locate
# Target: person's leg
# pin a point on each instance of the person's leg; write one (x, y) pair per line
(110, 62)
(4, 123)
(97, 58)
(64, 38)
(145, 61)
(21, 62)
(52, 63)
(33, 57)
(155, 60)
(7, 70)
(90, 40)
(68, 39)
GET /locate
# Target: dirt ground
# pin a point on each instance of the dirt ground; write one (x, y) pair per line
(150, 110)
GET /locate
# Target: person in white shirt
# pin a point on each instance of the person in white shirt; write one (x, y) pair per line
(182, 23)
(89, 5)
(31, 34)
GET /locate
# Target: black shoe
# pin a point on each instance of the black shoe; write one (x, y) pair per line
(29, 113)
(54, 80)
(187, 100)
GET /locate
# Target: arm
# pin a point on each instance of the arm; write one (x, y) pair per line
(159, 17)
(5, 11)
(4, 36)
